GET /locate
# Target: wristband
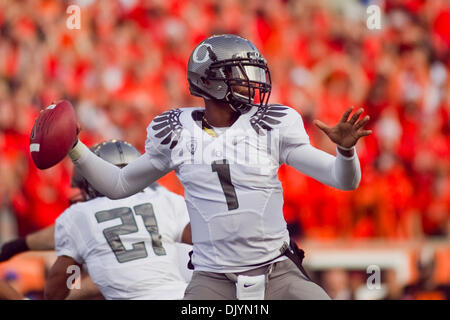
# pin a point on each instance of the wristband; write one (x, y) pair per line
(347, 153)
(11, 248)
(344, 148)
(76, 151)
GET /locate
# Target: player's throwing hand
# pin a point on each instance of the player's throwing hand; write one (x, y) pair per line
(347, 132)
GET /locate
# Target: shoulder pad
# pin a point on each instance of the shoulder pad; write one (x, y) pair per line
(168, 127)
(267, 117)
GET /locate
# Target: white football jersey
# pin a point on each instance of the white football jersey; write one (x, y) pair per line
(128, 245)
(232, 191)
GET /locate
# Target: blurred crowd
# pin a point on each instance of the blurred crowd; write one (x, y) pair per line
(343, 284)
(127, 63)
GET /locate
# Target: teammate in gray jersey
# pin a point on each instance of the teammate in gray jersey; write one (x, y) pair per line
(227, 155)
(131, 247)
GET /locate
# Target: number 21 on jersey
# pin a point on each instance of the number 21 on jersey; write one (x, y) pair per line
(128, 225)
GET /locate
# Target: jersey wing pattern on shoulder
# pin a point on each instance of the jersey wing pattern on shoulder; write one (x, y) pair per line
(266, 117)
(169, 127)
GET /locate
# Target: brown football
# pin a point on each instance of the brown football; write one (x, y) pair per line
(53, 135)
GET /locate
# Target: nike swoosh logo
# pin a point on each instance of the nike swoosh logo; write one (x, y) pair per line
(248, 285)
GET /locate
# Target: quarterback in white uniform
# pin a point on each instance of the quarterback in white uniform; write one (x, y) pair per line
(232, 191)
(227, 155)
(129, 245)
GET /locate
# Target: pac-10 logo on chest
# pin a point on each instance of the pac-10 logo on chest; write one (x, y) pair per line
(192, 146)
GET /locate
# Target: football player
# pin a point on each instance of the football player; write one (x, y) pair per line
(227, 155)
(128, 245)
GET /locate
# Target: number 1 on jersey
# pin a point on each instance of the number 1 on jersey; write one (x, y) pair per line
(223, 171)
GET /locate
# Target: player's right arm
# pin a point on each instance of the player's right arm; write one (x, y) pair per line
(115, 182)
(112, 181)
(38, 241)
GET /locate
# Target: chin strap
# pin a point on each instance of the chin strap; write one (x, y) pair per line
(232, 108)
(228, 100)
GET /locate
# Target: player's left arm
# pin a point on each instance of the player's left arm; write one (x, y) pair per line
(347, 132)
(343, 171)
(56, 287)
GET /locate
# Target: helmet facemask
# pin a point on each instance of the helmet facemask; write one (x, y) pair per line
(248, 81)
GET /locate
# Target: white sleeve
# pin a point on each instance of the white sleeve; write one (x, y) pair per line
(295, 150)
(340, 172)
(66, 239)
(155, 146)
(292, 135)
(116, 183)
(112, 181)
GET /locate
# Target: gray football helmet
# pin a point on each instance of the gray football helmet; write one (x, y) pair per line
(119, 153)
(231, 69)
